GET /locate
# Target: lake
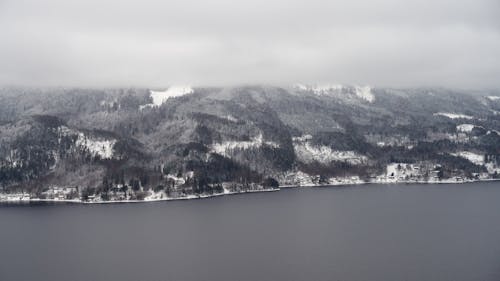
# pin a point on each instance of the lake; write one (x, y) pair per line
(370, 232)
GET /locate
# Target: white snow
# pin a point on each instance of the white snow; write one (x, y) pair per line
(106, 103)
(365, 93)
(493, 98)
(465, 128)
(149, 105)
(475, 158)
(226, 147)
(96, 146)
(319, 89)
(453, 115)
(13, 197)
(177, 180)
(345, 180)
(491, 131)
(302, 138)
(362, 92)
(159, 97)
(325, 88)
(307, 153)
(400, 172)
(492, 167)
(299, 178)
(231, 118)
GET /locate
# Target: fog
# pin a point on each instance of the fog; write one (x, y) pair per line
(223, 42)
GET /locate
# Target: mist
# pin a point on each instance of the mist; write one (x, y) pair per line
(207, 43)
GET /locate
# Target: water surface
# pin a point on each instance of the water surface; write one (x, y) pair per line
(371, 232)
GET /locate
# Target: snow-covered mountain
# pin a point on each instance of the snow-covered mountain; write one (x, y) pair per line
(187, 140)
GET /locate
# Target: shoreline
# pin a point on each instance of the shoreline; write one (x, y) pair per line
(197, 197)
(389, 183)
(190, 197)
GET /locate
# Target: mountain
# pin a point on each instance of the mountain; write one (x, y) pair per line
(125, 144)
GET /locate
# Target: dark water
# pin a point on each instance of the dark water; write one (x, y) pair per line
(373, 232)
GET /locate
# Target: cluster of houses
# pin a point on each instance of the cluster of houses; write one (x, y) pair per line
(8, 197)
(51, 193)
(422, 172)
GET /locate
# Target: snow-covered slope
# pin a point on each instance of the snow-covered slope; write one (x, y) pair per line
(97, 147)
(453, 115)
(225, 148)
(365, 93)
(307, 153)
(475, 158)
(159, 97)
(361, 92)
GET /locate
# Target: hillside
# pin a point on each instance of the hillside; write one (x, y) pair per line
(134, 144)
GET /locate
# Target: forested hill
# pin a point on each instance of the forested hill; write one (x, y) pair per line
(182, 141)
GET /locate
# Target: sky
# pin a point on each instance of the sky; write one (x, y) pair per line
(110, 43)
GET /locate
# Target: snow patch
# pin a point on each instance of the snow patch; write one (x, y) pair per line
(465, 128)
(365, 93)
(362, 92)
(231, 118)
(97, 147)
(345, 180)
(302, 138)
(306, 152)
(493, 98)
(475, 158)
(144, 106)
(225, 148)
(159, 97)
(319, 89)
(492, 167)
(453, 115)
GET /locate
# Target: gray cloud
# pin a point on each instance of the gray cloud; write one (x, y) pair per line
(219, 42)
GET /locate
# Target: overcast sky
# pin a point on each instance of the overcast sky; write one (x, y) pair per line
(396, 43)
